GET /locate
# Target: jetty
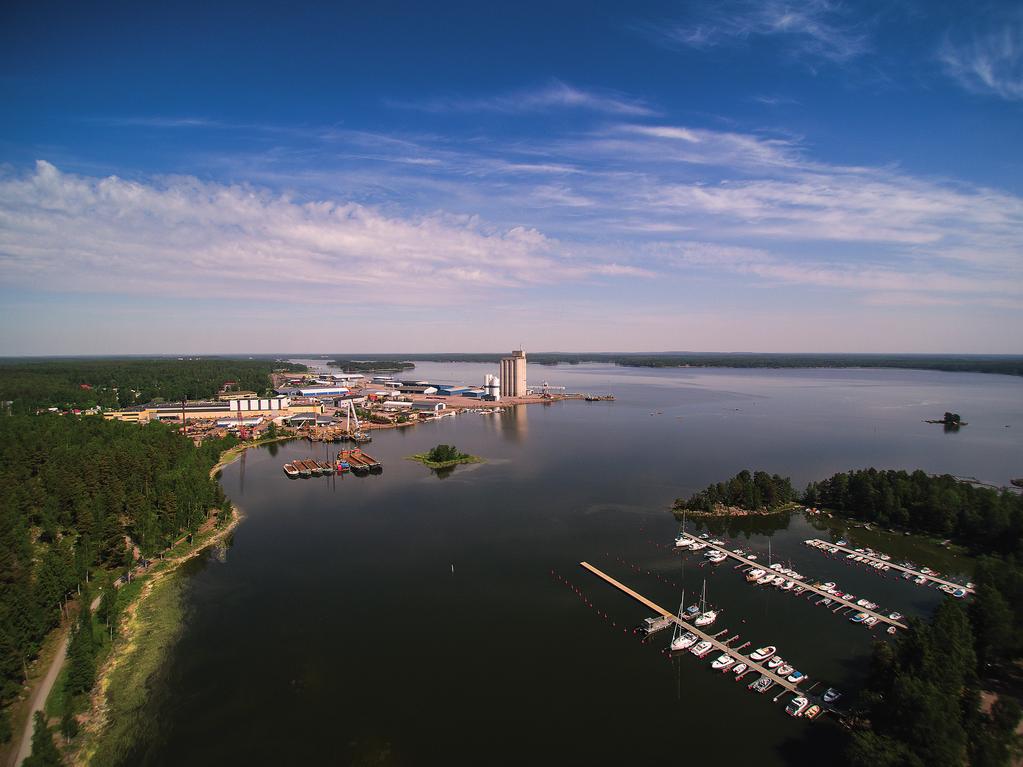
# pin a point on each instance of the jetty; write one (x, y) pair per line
(714, 640)
(869, 559)
(881, 617)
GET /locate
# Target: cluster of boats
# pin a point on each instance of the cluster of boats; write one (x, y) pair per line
(768, 656)
(779, 576)
(355, 461)
(684, 542)
(882, 563)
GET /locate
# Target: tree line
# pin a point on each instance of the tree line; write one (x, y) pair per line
(77, 497)
(750, 491)
(1003, 364)
(987, 519)
(112, 383)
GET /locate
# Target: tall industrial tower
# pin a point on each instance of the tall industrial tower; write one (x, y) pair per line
(513, 374)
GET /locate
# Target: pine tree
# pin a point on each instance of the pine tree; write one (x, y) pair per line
(44, 750)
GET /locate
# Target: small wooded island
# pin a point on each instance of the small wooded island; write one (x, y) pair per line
(743, 494)
(443, 457)
(950, 420)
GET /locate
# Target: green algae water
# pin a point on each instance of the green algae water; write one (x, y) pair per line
(412, 618)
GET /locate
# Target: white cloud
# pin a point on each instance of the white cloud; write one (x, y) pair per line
(989, 63)
(555, 95)
(188, 238)
(810, 28)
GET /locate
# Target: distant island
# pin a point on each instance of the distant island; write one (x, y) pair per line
(742, 495)
(371, 366)
(951, 421)
(444, 457)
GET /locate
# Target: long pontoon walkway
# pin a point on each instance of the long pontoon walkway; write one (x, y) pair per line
(876, 560)
(784, 683)
(809, 586)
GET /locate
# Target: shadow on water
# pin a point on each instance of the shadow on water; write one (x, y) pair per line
(733, 527)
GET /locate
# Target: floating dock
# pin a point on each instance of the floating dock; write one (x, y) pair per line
(809, 586)
(717, 644)
(876, 560)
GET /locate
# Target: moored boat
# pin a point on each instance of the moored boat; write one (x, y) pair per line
(723, 662)
(763, 653)
(290, 470)
(797, 706)
(775, 662)
(831, 695)
(813, 712)
(702, 649)
(762, 685)
(739, 668)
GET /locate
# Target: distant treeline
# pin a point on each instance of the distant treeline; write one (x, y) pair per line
(371, 366)
(1007, 365)
(112, 383)
(988, 520)
(751, 492)
(76, 496)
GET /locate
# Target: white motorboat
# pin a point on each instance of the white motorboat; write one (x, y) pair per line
(738, 668)
(763, 684)
(723, 662)
(788, 585)
(797, 677)
(683, 542)
(698, 545)
(765, 579)
(895, 616)
(775, 662)
(752, 575)
(797, 706)
(763, 653)
(784, 670)
(701, 649)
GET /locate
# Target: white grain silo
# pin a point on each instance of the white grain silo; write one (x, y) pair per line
(492, 386)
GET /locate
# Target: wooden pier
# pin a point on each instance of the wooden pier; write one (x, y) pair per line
(893, 566)
(722, 646)
(808, 586)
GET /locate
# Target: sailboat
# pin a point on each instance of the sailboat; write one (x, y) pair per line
(706, 617)
(681, 640)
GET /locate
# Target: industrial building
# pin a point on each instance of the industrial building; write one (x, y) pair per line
(417, 388)
(313, 391)
(513, 374)
(235, 409)
(428, 407)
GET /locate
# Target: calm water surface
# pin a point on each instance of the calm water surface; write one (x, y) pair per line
(336, 632)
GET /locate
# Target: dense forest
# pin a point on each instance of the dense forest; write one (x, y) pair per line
(922, 705)
(752, 492)
(1004, 364)
(111, 383)
(989, 520)
(77, 496)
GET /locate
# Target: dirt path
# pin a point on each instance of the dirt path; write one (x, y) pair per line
(42, 692)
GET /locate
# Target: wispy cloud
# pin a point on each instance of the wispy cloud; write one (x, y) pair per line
(818, 29)
(989, 62)
(554, 95)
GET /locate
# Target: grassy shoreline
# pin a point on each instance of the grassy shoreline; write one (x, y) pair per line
(152, 621)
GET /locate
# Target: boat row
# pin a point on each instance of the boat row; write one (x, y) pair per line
(772, 578)
(881, 562)
(308, 468)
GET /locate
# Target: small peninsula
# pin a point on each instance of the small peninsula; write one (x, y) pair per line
(742, 495)
(444, 457)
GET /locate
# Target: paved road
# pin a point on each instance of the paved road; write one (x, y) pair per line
(41, 694)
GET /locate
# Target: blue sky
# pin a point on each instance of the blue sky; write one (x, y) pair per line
(765, 176)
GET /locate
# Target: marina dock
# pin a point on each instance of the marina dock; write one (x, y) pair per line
(808, 586)
(722, 646)
(876, 560)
